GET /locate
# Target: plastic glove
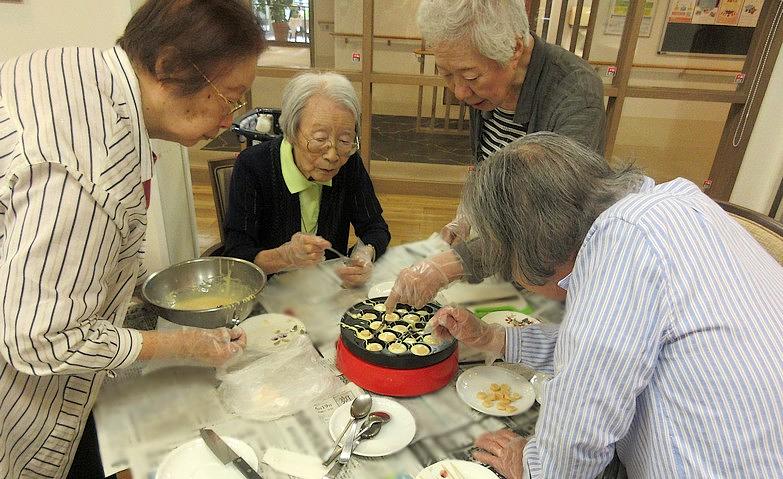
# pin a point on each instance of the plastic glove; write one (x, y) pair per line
(456, 230)
(303, 250)
(503, 450)
(205, 347)
(417, 284)
(471, 331)
(358, 271)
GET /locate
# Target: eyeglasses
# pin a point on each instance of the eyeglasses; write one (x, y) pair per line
(323, 145)
(234, 106)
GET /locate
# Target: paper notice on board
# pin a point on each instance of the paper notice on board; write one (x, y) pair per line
(681, 11)
(749, 15)
(728, 12)
(618, 11)
(705, 12)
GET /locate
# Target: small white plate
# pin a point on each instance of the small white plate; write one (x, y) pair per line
(268, 332)
(194, 460)
(394, 435)
(380, 290)
(480, 378)
(509, 319)
(467, 469)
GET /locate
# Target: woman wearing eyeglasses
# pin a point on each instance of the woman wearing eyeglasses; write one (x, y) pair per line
(293, 197)
(75, 165)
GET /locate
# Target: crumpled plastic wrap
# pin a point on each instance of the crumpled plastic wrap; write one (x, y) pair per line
(279, 384)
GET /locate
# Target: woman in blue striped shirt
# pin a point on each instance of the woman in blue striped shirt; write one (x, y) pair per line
(669, 354)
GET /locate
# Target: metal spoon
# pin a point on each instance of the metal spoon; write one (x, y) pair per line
(367, 431)
(360, 408)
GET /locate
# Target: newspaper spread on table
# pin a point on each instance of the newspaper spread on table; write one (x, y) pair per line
(143, 417)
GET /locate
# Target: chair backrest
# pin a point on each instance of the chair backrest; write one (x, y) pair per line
(220, 177)
(767, 231)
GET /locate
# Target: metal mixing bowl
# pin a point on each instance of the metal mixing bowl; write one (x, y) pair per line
(161, 288)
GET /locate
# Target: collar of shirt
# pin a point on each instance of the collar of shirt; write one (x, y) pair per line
(647, 185)
(294, 179)
(122, 70)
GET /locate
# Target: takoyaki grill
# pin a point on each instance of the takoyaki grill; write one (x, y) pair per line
(393, 339)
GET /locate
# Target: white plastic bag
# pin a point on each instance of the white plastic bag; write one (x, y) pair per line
(279, 384)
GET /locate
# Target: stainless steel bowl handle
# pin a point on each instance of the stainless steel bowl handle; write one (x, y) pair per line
(234, 321)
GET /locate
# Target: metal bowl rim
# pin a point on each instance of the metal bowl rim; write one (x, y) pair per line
(253, 295)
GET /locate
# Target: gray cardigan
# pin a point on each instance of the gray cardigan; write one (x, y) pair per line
(561, 93)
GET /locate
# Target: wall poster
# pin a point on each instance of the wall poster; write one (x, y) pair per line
(710, 27)
(618, 10)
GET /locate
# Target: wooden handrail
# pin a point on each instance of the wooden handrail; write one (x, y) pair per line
(420, 51)
(382, 37)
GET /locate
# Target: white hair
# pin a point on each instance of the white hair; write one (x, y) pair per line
(303, 87)
(491, 26)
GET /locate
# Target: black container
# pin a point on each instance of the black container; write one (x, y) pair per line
(350, 325)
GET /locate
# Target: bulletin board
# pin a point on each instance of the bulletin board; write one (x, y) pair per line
(710, 27)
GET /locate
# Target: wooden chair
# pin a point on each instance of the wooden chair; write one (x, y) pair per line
(220, 178)
(767, 231)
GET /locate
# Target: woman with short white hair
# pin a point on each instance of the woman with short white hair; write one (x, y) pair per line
(294, 197)
(515, 84)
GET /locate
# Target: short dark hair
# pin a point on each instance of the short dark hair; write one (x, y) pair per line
(211, 34)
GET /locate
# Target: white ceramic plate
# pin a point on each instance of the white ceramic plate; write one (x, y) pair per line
(480, 378)
(394, 435)
(380, 289)
(194, 460)
(509, 319)
(269, 332)
(454, 469)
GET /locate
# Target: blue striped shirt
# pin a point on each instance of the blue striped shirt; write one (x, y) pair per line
(671, 349)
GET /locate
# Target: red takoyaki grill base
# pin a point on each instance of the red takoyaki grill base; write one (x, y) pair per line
(395, 382)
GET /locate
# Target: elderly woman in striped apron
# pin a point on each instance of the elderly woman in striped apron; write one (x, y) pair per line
(75, 157)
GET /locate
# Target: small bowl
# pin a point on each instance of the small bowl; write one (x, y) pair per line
(199, 276)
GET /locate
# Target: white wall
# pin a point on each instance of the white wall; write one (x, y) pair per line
(36, 24)
(762, 167)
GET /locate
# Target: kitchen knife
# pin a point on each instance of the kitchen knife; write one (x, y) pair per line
(225, 454)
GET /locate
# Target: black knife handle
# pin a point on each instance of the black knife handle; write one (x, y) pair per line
(245, 469)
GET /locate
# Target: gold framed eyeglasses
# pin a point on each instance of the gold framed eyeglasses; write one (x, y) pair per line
(233, 105)
(344, 148)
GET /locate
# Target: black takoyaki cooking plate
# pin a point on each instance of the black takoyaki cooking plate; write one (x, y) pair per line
(366, 331)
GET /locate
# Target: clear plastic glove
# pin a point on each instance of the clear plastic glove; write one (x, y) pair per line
(303, 250)
(358, 271)
(503, 450)
(417, 284)
(456, 230)
(471, 331)
(204, 347)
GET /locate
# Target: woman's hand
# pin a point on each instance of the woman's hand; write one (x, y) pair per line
(503, 450)
(358, 271)
(456, 230)
(303, 250)
(205, 347)
(468, 329)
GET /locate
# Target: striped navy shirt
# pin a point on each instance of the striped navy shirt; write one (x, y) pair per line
(74, 155)
(670, 351)
(498, 131)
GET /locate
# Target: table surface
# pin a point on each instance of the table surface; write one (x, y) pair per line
(144, 413)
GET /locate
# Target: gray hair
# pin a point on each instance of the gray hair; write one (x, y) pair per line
(307, 85)
(533, 202)
(492, 26)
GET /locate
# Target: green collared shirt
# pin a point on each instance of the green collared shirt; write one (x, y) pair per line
(309, 191)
